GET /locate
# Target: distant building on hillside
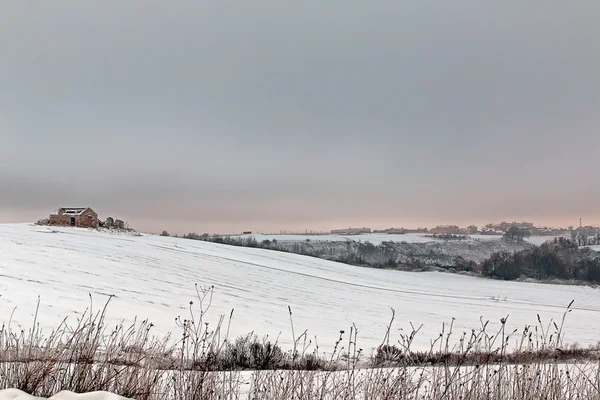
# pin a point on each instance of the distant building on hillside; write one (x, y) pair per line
(401, 231)
(505, 226)
(446, 229)
(350, 231)
(416, 230)
(395, 231)
(83, 217)
(491, 231)
(391, 231)
(547, 231)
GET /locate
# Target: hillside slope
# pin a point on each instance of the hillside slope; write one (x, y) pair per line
(153, 277)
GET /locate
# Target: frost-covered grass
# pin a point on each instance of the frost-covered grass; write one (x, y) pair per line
(92, 356)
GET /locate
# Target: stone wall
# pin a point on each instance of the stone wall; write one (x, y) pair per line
(89, 219)
(61, 220)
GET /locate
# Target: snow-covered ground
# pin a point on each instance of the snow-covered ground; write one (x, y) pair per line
(153, 277)
(539, 240)
(15, 394)
(378, 238)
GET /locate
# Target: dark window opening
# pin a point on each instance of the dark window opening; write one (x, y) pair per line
(72, 221)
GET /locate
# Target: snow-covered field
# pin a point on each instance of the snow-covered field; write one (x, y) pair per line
(153, 277)
(378, 238)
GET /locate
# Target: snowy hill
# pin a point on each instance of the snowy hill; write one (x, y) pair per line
(153, 277)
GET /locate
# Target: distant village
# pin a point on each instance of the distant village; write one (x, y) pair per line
(489, 229)
(582, 235)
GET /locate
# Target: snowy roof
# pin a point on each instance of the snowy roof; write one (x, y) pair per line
(75, 211)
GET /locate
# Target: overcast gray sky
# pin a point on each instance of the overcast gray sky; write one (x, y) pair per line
(267, 114)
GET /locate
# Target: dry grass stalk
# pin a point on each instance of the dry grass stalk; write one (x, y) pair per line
(204, 363)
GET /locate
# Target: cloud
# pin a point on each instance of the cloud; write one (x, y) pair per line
(277, 116)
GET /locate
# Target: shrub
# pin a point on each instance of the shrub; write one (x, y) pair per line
(501, 265)
(386, 353)
(463, 265)
(517, 234)
(248, 352)
(589, 270)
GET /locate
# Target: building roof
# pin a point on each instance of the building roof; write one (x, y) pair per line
(74, 211)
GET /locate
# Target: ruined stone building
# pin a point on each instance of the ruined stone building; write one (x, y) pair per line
(83, 217)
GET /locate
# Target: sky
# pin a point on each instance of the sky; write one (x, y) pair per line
(267, 115)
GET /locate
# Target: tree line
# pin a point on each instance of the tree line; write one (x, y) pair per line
(557, 259)
(560, 258)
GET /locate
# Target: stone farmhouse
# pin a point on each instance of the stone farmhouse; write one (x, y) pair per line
(82, 217)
